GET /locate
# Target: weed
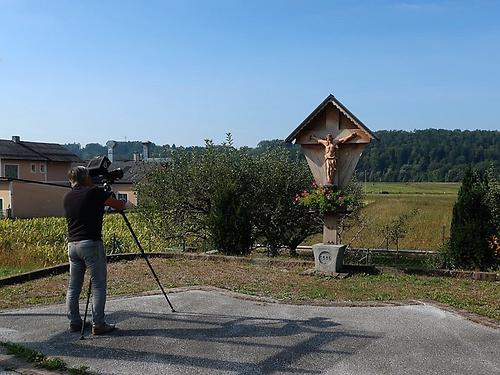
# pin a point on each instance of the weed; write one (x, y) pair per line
(41, 360)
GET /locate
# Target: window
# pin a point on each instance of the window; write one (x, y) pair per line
(33, 168)
(11, 171)
(123, 197)
(42, 168)
(1, 206)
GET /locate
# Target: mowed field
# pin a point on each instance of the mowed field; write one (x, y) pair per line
(386, 201)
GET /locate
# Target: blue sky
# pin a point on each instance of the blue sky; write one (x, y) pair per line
(182, 71)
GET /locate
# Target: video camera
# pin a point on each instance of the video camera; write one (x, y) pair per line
(99, 171)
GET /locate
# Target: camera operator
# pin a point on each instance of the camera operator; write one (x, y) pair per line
(84, 209)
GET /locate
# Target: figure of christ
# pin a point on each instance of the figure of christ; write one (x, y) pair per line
(331, 146)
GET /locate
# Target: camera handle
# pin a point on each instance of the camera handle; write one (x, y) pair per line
(144, 255)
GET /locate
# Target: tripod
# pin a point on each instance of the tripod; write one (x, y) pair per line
(144, 255)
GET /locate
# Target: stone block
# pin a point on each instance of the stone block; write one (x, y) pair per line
(328, 258)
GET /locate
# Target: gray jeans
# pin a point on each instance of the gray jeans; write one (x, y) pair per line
(82, 255)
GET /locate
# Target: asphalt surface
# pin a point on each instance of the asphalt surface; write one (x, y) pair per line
(218, 333)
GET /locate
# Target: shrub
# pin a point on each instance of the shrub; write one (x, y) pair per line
(185, 200)
(279, 221)
(474, 223)
(228, 198)
(230, 221)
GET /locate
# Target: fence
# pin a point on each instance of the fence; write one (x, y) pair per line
(385, 257)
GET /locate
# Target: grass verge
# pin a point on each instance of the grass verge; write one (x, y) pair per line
(9, 271)
(39, 359)
(282, 282)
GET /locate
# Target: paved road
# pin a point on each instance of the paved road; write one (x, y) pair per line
(218, 333)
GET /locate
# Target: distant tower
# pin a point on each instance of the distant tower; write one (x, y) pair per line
(146, 150)
(111, 150)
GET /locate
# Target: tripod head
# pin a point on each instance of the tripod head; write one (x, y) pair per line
(99, 171)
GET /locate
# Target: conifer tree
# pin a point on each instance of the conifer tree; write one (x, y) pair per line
(471, 225)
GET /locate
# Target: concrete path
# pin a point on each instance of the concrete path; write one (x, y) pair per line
(218, 333)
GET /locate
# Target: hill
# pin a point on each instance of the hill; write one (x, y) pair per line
(428, 155)
(400, 156)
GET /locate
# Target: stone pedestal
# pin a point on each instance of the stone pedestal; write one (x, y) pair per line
(328, 258)
(330, 228)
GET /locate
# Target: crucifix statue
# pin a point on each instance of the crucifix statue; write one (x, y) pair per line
(332, 159)
(331, 146)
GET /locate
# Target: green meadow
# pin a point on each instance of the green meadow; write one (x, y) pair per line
(385, 201)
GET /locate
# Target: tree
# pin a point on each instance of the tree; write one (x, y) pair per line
(202, 195)
(75, 148)
(228, 197)
(279, 220)
(397, 229)
(230, 220)
(473, 224)
(429, 155)
(354, 216)
(492, 198)
(420, 155)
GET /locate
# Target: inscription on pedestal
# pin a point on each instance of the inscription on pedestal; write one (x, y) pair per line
(325, 257)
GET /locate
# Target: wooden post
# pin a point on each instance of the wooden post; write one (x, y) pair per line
(330, 228)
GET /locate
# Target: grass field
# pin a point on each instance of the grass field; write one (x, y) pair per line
(411, 187)
(285, 282)
(426, 229)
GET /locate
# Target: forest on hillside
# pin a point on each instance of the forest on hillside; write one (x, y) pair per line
(428, 155)
(399, 156)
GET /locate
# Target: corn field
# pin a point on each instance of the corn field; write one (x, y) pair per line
(42, 241)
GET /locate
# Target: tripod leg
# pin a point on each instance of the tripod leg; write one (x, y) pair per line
(146, 259)
(86, 310)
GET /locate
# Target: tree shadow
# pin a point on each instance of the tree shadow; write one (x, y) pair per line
(214, 342)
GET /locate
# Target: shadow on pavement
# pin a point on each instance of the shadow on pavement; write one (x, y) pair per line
(215, 343)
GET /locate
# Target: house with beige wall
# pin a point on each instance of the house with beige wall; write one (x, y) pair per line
(30, 171)
(33, 161)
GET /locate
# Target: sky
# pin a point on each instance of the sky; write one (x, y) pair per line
(180, 72)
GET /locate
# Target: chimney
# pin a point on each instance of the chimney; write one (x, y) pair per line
(16, 139)
(111, 150)
(146, 150)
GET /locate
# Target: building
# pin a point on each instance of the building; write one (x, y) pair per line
(133, 170)
(30, 173)
(33, 161)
